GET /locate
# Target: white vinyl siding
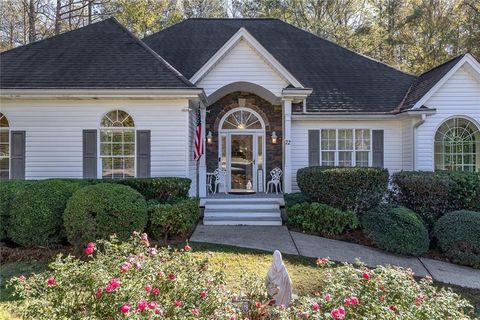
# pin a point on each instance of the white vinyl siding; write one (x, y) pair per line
(192, 164)
(242, 63)
(458, 97)
(392, 135)
(54, 133)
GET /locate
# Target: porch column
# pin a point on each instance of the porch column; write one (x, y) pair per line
(287, 161)
(202, 172)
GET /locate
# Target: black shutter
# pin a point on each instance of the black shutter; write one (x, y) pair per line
(90, 154)
(17, 158)
(143, 153)
(377, 148)
(313, 148)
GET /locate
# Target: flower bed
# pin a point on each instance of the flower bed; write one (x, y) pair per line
(133, 280)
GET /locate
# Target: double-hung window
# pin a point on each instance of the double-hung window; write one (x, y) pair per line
(345, 147)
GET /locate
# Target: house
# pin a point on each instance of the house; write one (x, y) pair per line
(99, 103)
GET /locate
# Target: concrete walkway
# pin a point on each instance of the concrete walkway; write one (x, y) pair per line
(289, 242)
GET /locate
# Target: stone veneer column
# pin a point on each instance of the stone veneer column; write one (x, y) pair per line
(287, 161)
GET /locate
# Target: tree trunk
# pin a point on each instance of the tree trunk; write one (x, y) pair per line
(58, 17)
(31, 21)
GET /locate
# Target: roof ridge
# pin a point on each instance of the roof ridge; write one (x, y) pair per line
(442, 64)
(57, 35)
(348, 49)
(233, 18)
(177, 73)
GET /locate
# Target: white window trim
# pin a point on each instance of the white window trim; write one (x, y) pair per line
(7, 129)
(353, 150)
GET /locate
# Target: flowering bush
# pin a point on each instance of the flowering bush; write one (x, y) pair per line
(356, 292)
(125, 280)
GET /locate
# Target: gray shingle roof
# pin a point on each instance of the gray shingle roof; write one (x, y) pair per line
(342, 80)
(102, 55)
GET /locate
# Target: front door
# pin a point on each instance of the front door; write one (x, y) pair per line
(242, 163)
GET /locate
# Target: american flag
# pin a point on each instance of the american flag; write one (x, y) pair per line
(198, 138)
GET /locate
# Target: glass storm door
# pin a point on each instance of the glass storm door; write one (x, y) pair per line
(242, 163)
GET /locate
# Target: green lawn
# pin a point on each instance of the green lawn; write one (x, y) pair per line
(234, 261)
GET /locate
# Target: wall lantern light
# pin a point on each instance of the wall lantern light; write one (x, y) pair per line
(209, 137)
(274, 137)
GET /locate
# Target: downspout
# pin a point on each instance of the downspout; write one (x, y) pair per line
(418, 124)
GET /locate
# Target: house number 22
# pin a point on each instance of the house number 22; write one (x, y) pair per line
(287, 142)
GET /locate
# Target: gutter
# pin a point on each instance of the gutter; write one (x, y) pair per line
(414, 129)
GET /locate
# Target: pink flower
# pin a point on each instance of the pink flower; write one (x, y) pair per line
(142, 304)
(155, 291)
(99, 293)
(321, 261)
(365, 275)
(347, 301)
(338, 313)
(328, 297)
(88, 250)
(125, 308)
(112, 285)
(159, 311)
(125, 267)
(187, 248)
(232, 317)
(195, 312)
(204, 294)
(172, 277)
(51, 281)
(178, 303)
(152, 305)
(91, 245)
(138, 266)
(354, 300)
(392, 308)
(148, 287)
(315, 306)
(22, 278)
(152, 251)
(258, 304)
(418, 300)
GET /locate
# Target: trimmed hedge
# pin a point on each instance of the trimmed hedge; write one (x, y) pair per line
(432, 194)
(356, 189)
(321, 218)
(97, 211)
(37, 210)
(292, 199)
(458, 235)
(163, 189)
(170, 220)
(8, 192)
(396, 229)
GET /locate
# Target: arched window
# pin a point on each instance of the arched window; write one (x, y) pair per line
(457, 146)
(4, 148)
(117, 145)
(241, 119)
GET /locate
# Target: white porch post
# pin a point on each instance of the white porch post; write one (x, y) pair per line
(202, 174)
(287, 161)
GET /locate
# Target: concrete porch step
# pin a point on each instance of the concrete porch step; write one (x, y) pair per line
(242, 212)
(243, 221)
(245, 204)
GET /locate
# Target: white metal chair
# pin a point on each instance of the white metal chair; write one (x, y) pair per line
(209, 182)
(220, 178)
(276, 181)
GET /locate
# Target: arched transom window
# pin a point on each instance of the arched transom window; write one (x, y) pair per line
(457, 146)
(241, 119)
(117, 145)
(4, 148)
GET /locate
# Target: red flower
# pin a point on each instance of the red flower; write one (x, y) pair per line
(125, 308)
(321, 261)
(204, 294)
(155, 291)
(393, 308)
(258, 305)
(142, 304)
(51, 281)
(178, 303)
(418, 300)
(159, 311)
(382, 298)
(88, 250)
(172, 277)
(354, 300)
(338, 313)
(99, 293)
(315, 306)
(152, 305)
(112, 285)
(148, 287)
(365, 275)
(187, 248)
(195, 312)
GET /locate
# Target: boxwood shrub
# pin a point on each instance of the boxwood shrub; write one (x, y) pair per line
(100, 210)
(458, 235)
(321, 218)
(163, 189)
(292, 199)
(432, 194)
(171, 220)
(396, 229)
(356, 189)
(37, 210)
(8, 192)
